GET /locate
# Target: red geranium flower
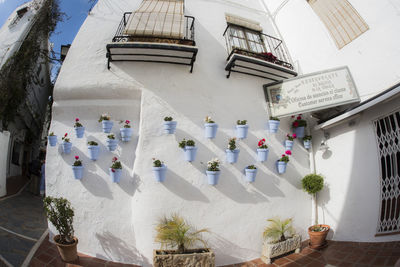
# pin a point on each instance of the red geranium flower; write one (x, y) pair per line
(76, 157)
(295, 124)
(294, 135)
(114, 159)
(65, 135)
(112, 170)
(299, 117)
(76, 119)
(288, 152)
(292, 116)
(127, 122)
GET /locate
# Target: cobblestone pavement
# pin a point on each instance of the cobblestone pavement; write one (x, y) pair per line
(22, 222)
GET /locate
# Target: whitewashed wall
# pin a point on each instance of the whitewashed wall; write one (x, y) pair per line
(116, 221)
(4, 140)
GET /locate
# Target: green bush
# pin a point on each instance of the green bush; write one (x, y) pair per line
(312, 183)
(277, 230)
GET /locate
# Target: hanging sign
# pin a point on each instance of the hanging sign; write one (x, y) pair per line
(311, 92)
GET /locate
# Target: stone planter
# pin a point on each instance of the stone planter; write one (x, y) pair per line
(270, 251)
(193, 258)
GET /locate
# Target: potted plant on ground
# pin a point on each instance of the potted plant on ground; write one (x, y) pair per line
(262, 150)
(126, 131)
(307, 141)
(115, 170)
(66, 144)
(189, 149)
(175, 232)
(111, 142)
(94, 150)
(79, 129)
(169, 125)
(232, 153)
(273, 124)
(279, 239)
(210, 128)
(312, 184)
(213, 171)
(241, 129)
(77, 168)
(159, 170)
(52, 139)
(299, 125)
(106, 123)
(251, 172)
(289, 141)
(283, 161)
(60, 213)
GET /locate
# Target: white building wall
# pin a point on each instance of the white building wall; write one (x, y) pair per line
(4, 141)
(116, 221)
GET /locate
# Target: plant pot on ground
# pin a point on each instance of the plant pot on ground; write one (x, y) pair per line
(176, 233)
(312, 184)
(279, 239)
(60, 213)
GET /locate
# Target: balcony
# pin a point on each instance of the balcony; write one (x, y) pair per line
(151, 46)
(255, 53)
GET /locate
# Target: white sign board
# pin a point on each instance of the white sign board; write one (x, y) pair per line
(311, 92)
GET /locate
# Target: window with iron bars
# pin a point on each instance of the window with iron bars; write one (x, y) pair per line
(246, 39)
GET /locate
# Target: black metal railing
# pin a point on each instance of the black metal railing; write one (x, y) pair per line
(267, 48)
(187, 39)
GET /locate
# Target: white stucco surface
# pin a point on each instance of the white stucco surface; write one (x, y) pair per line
(116, 221)
(4, 140)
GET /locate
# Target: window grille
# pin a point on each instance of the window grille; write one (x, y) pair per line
(341, 19)
(246, 39)
(388, 140)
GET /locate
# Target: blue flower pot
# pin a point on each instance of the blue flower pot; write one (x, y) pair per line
(52, 140)
(94, 152)
(169, 127)
(66, 146)
(107, 126)
(159, 173)
(250, 175)
(190, 153)
(288, 145)
(232, 155)
(299, 131)
(213, 177)
(262, 154)
(307, 144)
(111, 144)
(115, 175)
(210, 130)
(126, 134)
(78, 172)
(273, 126)
(281, 166)
(241, 131)
(79, 131)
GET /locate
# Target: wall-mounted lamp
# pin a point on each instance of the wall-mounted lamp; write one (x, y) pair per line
(324, 142)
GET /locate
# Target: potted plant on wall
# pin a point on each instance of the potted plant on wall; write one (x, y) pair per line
(52, 139)
(307, 141)
(111, 142)
(312, 184)
(241, 129)
(126, 131)
(210, 127)
(115, 170)
(175, 232)
(60, 213)
(289, 141)
(213, 171)
(189, 149)
(106, 123)
(77, 168)
(169, 125)
(279, 239)
(262, 150)
(299, 125)
(251, 172)
(273, 124)
(283, 161)
(79, 129)
(94, 150)
(66, 144)
(232, 153)
(159, 170)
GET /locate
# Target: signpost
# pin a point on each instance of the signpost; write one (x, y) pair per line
(311, 92)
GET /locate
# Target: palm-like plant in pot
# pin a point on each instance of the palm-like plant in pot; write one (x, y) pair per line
(279, 238)
(60, 213)
(176, 233)
(312, 184)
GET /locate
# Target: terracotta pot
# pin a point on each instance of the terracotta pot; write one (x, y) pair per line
(317, 239)
(67, 252)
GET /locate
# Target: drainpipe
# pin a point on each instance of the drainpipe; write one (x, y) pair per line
(314, 206)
